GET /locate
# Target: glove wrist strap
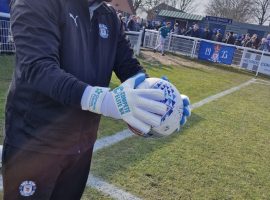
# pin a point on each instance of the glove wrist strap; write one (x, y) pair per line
(95, 99)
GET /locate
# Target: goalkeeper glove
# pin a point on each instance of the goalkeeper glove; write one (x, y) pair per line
(186, 109)
(186, 105)
(134, 106)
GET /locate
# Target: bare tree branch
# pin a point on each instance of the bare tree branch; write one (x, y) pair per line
(182, 5)
(262, 11)
(238, 10)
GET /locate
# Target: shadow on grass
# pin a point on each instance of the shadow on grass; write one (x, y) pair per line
(153, 64)
(127, 153)
(215, 65)
(150, 65)
(201, 62)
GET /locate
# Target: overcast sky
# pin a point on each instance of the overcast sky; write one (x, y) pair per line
(200, 10)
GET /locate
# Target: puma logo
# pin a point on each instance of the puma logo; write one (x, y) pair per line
(74, 19)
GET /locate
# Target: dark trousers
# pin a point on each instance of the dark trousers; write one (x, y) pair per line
(36, 176)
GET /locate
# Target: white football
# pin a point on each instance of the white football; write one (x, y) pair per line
(171, 120)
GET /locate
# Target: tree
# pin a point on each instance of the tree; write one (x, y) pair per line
(238, 10)
(137, 4)
(183, 5)
(262, 11)
(145, 4)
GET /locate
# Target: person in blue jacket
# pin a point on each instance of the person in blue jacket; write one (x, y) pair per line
(163, 34)
(66, 52)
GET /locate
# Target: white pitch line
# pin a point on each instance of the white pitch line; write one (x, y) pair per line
(221, 94)
(118, 137)
(266, 81)
(110, 140)
(109, 189)
(118, 193)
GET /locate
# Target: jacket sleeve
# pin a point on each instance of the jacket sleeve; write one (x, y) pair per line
(126, 65)
(37, 36)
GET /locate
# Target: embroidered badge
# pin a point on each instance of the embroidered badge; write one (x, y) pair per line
(103, 31)
(27, 188)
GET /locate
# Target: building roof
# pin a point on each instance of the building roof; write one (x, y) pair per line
(123, 6)
(180, 15)
(151, 14)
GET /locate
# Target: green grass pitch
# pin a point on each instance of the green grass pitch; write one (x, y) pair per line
(223, 152)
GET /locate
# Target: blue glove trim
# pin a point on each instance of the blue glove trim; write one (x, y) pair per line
(165, 78)
(186, 111)
(183, 120)
(186, 102)
(139, 80)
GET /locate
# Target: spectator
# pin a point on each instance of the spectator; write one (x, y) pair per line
(218, 36)
(207, 34)
(194, 32)
(255, 41)
(230, 39)
(264, 45)
(131, 26)
(238, 40)
(268, 39)
(245, 41)
(138, 23)
(163, 33)
(188, 31)
(176, 29)
(123, 20)
(182, 31)
(158, 25)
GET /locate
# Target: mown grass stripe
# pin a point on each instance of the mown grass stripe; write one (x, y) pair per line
(118, 193)
(109, 189)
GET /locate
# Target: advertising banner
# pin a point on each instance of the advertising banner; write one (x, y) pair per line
(216, 52)
(265, 65)
(251, 61)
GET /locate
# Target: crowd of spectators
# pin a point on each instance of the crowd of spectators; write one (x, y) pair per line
(135, 23)
(245, 40)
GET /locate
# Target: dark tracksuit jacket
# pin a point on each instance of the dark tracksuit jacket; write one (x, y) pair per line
(59, 51)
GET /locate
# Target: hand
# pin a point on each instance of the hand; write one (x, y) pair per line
(134, 106)
(137, 106)
(186, 105)
(186, 109)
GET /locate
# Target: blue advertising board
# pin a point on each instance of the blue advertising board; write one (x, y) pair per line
(219, 19)
(4, 6)
(217, 53)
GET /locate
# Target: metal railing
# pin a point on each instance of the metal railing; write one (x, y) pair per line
(6, 39)
(7, 43)
(245, 58)
(135, 39)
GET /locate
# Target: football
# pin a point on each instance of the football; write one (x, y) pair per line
(171, 120)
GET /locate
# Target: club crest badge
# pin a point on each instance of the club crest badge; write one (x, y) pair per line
(27, 188)
(103, 31)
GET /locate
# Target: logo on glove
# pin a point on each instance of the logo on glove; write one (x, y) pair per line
(95, 97)
(121, 100)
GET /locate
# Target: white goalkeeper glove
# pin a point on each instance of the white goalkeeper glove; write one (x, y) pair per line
(140, 108)
(186, 106)
(186, 109)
